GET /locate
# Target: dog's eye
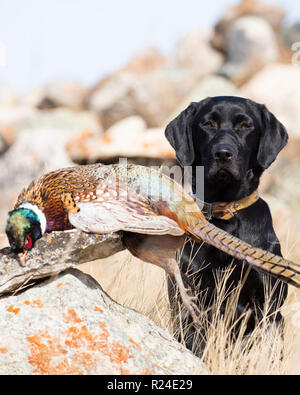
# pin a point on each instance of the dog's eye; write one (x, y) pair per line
(244, 126)
(210, 125)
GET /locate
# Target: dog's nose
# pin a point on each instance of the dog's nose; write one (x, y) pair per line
(222, 153)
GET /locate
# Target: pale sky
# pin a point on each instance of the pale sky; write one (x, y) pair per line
(82, 40)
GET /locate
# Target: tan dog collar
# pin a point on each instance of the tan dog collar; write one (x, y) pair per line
(226, 210)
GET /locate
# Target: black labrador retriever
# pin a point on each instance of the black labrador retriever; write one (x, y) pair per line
(235, 139)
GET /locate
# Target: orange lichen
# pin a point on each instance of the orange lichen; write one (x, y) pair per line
(80, 141)
(124, 372)
(105, 138)
(135, 343)
(34, 157)
(85, 134)
(77, 350)
(37, 303)
(96, 308)
(72, 317)
(13, 309)
(146, 372)
(118, 353)
(43, 349)
(3, 350)
(8, 134)
(62, 284)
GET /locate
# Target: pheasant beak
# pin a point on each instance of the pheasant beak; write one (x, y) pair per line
(22, 258)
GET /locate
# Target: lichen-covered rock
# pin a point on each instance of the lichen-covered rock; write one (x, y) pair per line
(53, 253)
(68, 325)
(128, 138)
(57, 93)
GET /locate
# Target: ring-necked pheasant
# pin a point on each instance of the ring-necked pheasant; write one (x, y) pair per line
(153, 210)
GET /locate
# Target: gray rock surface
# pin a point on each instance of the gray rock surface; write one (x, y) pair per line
(68, 325)
(53, 253)
(250, 45)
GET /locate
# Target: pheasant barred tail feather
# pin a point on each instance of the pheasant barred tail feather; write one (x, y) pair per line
(265, 261)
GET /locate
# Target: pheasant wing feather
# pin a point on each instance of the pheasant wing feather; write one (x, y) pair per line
(123, 208)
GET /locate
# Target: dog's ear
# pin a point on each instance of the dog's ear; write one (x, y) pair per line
(179, 134)
(273, 138)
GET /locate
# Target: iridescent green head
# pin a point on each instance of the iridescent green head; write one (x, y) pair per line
(23, 228)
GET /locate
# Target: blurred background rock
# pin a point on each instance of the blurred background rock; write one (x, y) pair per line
(242, 48)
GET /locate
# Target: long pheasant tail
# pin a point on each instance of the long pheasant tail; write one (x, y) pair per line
(262, 260)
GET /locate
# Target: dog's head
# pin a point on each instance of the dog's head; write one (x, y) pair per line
(232, 137)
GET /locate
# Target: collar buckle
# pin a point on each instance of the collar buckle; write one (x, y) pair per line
(224, 210)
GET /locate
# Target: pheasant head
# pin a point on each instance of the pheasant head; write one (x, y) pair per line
(23, 229)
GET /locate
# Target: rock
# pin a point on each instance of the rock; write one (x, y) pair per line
(58, 93)
(69, 122)
(53, 253)
(7, 137)
(120, 95)
(66, 121)
(285, 103)
(3, 145)
(146, 61)
(127, 138)
(212, 85)
(167, 86)
(17, 117)
(8, 97)
(149, 86)
(196, 55)
(250, 45)
(270, 12)
(7, 134)
(287, 179)
(286, 221)
(280, 187)
(68, 325)
(133, 125)
(290, 34)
